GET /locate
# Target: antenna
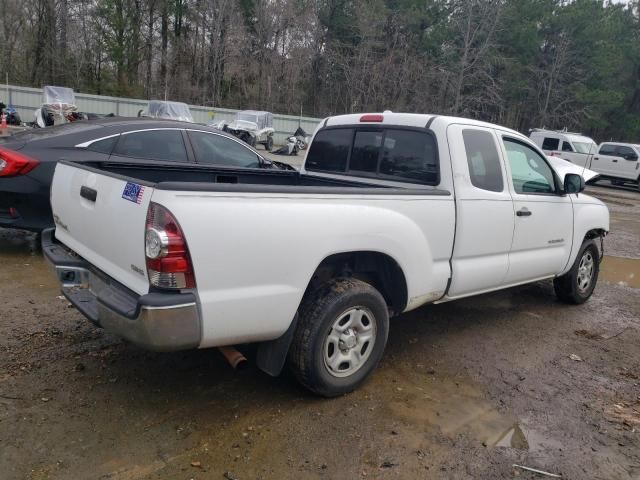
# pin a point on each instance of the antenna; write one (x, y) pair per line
(590, 156)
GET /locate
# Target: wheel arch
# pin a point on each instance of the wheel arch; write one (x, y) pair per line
(595, 233)
(591, 219)
(379, 269)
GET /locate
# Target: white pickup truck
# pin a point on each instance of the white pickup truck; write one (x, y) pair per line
(389, 212)
(618, 162)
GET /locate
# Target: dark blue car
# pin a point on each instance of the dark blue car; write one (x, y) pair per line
(28, 159)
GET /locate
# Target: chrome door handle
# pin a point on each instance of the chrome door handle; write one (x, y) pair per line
(523, 213)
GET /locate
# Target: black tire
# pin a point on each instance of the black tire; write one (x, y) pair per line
(269, 144)
(319, 312)
(567, 287)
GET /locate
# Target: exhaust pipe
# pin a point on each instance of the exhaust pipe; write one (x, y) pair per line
(236, 359)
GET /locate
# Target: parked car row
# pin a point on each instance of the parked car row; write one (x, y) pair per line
(614, 161)
(389, 212)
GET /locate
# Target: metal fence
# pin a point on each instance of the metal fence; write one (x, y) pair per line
(26, 100)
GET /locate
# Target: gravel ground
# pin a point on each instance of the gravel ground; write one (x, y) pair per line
(465, 390)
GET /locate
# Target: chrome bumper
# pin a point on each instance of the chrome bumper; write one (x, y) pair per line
(155, 321)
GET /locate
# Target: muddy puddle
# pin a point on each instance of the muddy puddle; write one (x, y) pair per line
(456, 406)
(621, 271)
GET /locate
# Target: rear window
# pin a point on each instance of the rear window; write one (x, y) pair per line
(330, 150)
(366, 151)
(550, 143)
(391, 154)
(410, 156)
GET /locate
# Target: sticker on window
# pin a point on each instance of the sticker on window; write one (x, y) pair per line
(133, 192)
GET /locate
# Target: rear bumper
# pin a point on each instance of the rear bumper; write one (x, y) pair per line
(155, 321)
(24, 203)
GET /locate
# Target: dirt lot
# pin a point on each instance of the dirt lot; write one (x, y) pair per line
(465, 390)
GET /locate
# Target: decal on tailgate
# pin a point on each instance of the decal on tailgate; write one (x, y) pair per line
(133, 192)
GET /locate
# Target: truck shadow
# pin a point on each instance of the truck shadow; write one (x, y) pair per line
(204, 375)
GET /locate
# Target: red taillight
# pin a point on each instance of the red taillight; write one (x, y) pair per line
(168, 261)
(372, 118)
(13, 163)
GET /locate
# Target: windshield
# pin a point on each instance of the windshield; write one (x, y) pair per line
(584, 147)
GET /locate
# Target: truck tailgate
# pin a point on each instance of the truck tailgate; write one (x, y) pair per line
(102, 218)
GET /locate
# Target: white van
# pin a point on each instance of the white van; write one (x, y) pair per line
(574, 147)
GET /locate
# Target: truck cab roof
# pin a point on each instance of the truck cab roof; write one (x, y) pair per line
(406, 119)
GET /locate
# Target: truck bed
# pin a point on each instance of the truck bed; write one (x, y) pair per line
(217, 179)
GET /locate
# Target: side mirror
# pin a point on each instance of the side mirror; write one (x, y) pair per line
(573, 183)
(631, 156)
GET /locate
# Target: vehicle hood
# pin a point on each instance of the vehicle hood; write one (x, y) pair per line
(562, 167)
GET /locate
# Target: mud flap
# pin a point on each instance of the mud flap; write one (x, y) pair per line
(272, 354)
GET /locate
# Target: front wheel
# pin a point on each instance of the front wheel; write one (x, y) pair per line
(269, 144)
(577, 285)
(340, 338)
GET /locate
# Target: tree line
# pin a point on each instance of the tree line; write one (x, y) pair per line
(520, 63)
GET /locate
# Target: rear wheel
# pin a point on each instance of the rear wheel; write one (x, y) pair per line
(577, 285)
(340, 338)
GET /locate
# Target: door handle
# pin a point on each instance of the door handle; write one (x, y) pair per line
(524, 212)
(595, 158)
(88, 193)
(615, 161)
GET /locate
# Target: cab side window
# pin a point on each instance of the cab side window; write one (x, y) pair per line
(566, 147)
(607, 149)
(213, 149)
(166, 145)
(483, 160)
(550, 143)
(626, 153)
(530, 173)
(104, 146)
